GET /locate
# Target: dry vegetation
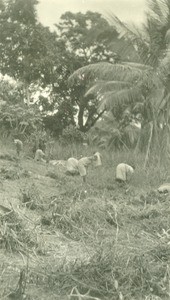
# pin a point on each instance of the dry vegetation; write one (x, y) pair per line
(60, 239)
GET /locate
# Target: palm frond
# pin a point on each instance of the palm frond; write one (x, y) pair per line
(159, 11)
(162, 105)
(123, 29)
(105, 86)
(138, 66)
(112, 99)
(140, 39)
(109, 119)
(107, 71)
(136, 37)
(164, 66)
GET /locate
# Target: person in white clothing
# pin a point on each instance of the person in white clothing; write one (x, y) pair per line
(83, 163)
(19, 146)
(98, 161)
(164, 188)
(72, 166)
(75, 167)
(124, 172)
(39, 155)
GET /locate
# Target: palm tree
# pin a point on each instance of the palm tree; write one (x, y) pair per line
(109, 134)
(142, 83)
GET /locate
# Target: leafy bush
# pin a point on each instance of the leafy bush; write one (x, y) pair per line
(108, 133)
(16, 117)
(71, 134)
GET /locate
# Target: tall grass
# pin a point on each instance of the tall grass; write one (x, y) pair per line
(124, 230)
(124, 227)
(151, 176)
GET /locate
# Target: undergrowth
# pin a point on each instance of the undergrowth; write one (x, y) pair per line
(129, 234)
(125, 231)
(13, 235)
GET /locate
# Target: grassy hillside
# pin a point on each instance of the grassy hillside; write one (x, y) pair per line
(61, 239)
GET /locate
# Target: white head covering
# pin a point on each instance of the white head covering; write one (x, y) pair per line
(98, 161)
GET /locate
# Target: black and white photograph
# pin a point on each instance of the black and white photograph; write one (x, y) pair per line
(85, 149)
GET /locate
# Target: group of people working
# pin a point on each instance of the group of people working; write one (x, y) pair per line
(79, 167)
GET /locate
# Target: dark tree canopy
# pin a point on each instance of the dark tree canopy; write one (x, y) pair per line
(39, 58)
(85, 38)
(27, 47)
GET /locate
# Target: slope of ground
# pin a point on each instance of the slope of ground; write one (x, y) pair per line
(52, 248)
(61, 239)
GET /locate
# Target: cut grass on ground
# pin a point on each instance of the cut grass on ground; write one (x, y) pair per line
(93, 241)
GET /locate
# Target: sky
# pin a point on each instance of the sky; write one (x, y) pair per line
(50, 11)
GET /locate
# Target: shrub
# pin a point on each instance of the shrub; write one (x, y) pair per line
(71, 134)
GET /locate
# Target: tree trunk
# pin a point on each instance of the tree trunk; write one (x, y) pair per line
(80, 118)
(27, 93)
(149, 145)
(91, 120)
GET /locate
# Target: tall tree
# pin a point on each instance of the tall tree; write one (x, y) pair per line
(27, 48)
(84, 38)
(142, 83)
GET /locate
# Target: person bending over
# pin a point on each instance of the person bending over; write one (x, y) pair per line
(72, 166)
(124, 172)
(39, 155)
(83, 164)
(19, 146)
(76, 167)
(97, 161)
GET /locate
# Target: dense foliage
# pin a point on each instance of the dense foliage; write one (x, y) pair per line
(140, 86)
(112, 67)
